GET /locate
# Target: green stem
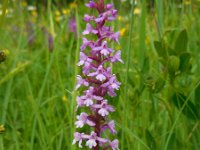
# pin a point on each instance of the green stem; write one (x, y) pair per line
(124, 123)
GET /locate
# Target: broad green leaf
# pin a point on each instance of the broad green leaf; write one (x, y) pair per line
(160, 49)
(185, 62)
(181, 42)
(189, 110)
(173, 64)
(170, 50)
(150, 140)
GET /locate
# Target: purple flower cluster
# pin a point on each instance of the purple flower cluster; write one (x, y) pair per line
(97, 79)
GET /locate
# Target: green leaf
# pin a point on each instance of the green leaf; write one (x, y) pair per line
(189, 110)
(197, 96)
(181, 42)
(170, 50)
(173, 64)
(171, 142)
(160, 49)
(145, 67)
(160, 82)
(185, 62)
(150, 140)
(131, 82)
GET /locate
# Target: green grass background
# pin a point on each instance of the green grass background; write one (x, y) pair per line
(34, 81)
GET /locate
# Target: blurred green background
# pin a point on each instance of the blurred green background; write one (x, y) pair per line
(158, 105)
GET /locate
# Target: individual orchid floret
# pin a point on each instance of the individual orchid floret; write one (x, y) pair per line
(114, 144)
(91, 4)
(83, 119)
(110, 126)
(113, 15)
(88, 18)
(92, 141)
(105, 32)
(117, 57)
(78, 138)
(79, 102)
(89, 97)
(100, 73)
(84, 59)
(89, 29)
(100, 19)
(108, 6)
(86, 43)
(81, 81)
(111, 85)
(115, 37)
(103, 108)
(103, 49)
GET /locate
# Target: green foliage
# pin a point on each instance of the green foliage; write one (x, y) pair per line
(185, 105)
(173, 64)
(181, 42)
(161, 50)
(157, 107)
(185, 62)
(150, 140)
(2, 56)
(197, 98)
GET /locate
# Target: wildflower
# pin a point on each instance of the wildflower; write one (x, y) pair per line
(83, 119)
(89, 30)
(24, 3)
(50, 42)
(72, 5)
(97, 78)
(2, 128)
(64, 98)
(92, 140)
(34, 13)
(49, 39)
(81, 81)
(187, 2)
(65, 11)
(57, 16)
(122, 31)
(78, 138)
(114, 144)
(30, 33)
(6, 11)
(57, 13)
(72, 26)
(137, 11)
(31, 8)
(110, 126)
(120, 18)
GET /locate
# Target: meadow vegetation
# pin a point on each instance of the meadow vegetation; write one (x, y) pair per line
(158, 105)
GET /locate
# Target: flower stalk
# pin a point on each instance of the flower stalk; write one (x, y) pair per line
(97, 82)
